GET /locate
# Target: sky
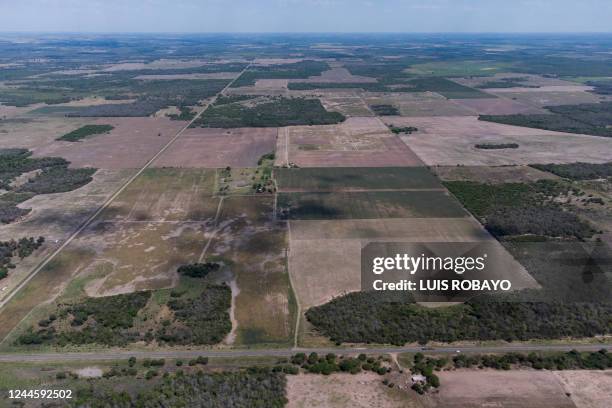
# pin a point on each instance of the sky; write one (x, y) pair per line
(306, 15)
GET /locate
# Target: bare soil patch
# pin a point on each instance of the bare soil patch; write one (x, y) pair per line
(357, 142)
(494, 175)
(131, 143)
(451, 141)
(498, 106)
(213, 148)
(487, 388)
(588, 389)
(337, 75)
(419, 104)
(552, 96)
(364, 390)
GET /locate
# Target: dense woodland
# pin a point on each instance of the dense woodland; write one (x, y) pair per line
(86, 131)
(21, 248)
(253, 388)
(578, 171)
(275, 112)
(52, 175)
(389, 318)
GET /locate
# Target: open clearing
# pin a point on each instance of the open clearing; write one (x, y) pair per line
(131, 143)
(588, 389)
(348, 103)
(337, 75)
(487, 388)
(538, 98)
(215, 148)
(497, 106)
(357, 142)
(526, 79)
(31, 132)
(364, 390)
(493, 175)
(451, 141)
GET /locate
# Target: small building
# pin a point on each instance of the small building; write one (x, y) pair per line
(418, 379)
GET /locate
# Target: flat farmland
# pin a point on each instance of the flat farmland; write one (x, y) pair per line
(214, 148)
(325, 255)
(552, 96)
(450, 141)
(166, 195)
(420, 104)
(505, 389)
(530, 80)
(337, 75)
(161, 221)
(368, 205)
(363, 390)
(357, 142)
(253, 246)
(56, 216)
(131, 143)
(355, 178)
(588, 389)
(34, 132)
(493, 175)
(348, 103)
(498, 106)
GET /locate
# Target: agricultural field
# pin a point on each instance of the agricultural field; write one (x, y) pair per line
(185, 194)
(451, 141)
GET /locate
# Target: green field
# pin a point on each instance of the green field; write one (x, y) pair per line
(326, 179)
(368, 205)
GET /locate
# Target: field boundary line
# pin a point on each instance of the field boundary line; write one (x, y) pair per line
(106, 204)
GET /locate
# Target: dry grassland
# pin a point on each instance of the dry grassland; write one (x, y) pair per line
(215, 148)
(588, 389)
(450, 141)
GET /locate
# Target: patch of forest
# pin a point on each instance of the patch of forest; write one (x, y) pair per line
(392, 318)
(297, 70)
(511, 209)
(496, 146)
(253, 388)
(578, 171)
(589, 118)
(275, 112)
(86, 131)
(199, 316)
(385, 110)
(21, 248)
(52, 176)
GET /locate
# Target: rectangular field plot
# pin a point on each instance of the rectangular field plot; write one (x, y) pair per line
(214, 148)
(357, 142)
(355, 178)
(451, 141)
(253, 247)
(131, 143)
(166, 195)
(368, 205)
(419, 104)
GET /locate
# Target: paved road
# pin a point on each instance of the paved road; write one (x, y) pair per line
(119, 355)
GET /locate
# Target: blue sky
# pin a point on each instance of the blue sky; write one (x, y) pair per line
(306, 15)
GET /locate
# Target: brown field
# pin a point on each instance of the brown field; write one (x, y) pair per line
(497, 106)
(253, 246)
(31, 132)
(538, 98)
(348, 103)
(364, 390)
(503, 389)
(130, 144)
(337, 75)
(420, 104)
(324, 256)
(357, 142)
(588, 389)
(494, 175)
(214, 75)
(530, 80)
(449, 141)
(213, 148)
